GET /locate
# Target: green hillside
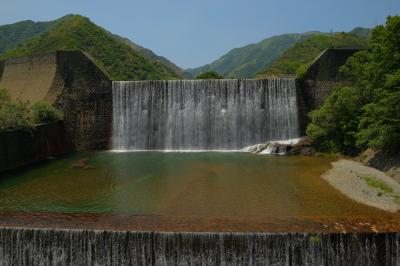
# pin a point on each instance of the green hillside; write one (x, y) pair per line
(118, 58)
(249, 60)
(295, 60)
(150, 54)
(13, 34)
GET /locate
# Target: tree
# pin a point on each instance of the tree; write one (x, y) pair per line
(335, 125)
(209, 75)
(374, 101)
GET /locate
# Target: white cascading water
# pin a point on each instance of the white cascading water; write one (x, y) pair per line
(203, 114)
(19, 246)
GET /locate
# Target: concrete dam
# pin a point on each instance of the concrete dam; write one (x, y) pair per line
(266, 110)
(178, 115)
(203, 114)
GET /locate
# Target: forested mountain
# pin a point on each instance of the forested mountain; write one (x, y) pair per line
(118, 57)
(296, 59)
(249, 60)
(150, 54)
(13, 34)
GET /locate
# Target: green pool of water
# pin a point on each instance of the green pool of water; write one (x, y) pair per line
(181, 184)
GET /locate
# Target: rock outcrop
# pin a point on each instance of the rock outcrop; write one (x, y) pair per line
(301, 146)
(388, 163)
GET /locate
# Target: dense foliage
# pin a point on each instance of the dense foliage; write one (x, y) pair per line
(247, 61)
(43, 112)
(119, 59)
(151, 55)
(13, 34)
(20, 115)
(295, 61)
(366, 115)
(209, 75)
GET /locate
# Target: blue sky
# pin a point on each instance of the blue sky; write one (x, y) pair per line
(195, 32)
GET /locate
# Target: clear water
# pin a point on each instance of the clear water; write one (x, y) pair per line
(179, 184)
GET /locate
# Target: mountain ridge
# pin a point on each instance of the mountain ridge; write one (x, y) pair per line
(249, 60)
(76, 32)
(13, 34)
(295, 60)
(246, 61)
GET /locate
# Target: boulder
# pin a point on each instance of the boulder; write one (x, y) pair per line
(302, 146)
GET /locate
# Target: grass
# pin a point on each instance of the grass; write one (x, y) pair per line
(396, 198)
(382, 187)
(374, 182)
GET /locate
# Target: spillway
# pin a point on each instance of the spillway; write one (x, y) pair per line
(81, 247)
(203, 114)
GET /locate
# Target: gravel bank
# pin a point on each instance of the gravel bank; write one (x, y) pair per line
(364, 184)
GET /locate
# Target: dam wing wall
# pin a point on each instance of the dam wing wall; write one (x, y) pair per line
(30, 78)
(321, 78)
(71, 80)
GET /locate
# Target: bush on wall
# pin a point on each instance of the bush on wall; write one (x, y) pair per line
(16, 115)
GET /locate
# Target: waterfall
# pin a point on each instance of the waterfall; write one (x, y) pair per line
(203, 114)
(81, 247)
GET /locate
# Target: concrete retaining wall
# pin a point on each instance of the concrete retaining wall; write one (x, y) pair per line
(21, 148)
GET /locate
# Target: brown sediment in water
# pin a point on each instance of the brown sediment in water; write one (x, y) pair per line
(156, 223)
(186, 193)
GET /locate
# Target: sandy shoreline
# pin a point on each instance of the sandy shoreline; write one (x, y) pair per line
(364, 184)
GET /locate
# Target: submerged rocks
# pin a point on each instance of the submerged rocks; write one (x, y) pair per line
(300, 146)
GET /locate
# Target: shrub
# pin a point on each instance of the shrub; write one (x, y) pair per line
(4, 97)
(15, 115)
(43, 112)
